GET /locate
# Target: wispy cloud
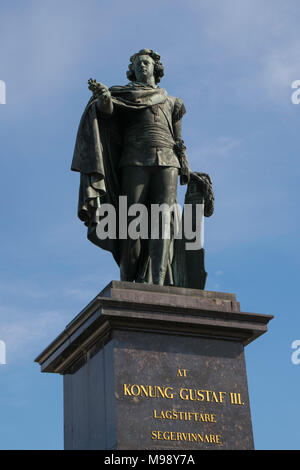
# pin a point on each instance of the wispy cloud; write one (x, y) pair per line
(221, 147)
(25, 333)
(253, 46)
(43, 45)
(26, 326)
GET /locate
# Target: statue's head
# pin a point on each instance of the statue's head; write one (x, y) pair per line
(144, 62)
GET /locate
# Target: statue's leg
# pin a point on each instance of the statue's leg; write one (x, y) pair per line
(163, 190)
(135, 182)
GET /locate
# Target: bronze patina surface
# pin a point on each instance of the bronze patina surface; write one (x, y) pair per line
(129, 143)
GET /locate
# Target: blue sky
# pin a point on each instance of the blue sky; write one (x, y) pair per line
(232, 62)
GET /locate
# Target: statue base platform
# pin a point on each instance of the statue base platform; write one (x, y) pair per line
(149, 367)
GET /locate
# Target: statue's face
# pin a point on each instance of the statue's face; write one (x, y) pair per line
(143, 68)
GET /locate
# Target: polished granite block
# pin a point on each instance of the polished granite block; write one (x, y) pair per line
(151, 367)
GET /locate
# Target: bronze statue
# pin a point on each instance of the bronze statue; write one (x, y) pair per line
(129, 144)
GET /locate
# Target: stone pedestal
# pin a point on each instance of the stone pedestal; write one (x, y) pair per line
(150, 367)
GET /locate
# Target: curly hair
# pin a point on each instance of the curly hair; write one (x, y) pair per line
(158, 66)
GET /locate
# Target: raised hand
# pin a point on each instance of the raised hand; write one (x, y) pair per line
(102, 93)
(98, 89)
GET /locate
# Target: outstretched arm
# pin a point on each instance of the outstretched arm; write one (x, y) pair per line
(102, 93)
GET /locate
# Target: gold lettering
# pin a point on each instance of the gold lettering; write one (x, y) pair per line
(126, 390)
(186, 436)
(181, 391)
(200, 395)
(135, 390)
(160, 392)
(167, 394)
(148, 391)
(184, 416)
(181, 372)
(235, 398)
(144, 390)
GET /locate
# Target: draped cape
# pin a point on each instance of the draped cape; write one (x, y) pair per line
(97, 153)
